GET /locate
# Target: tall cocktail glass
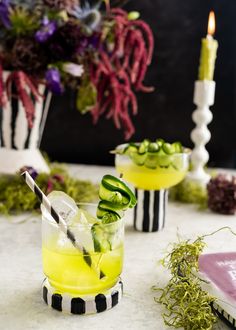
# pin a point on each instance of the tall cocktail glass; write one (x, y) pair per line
(151, 179)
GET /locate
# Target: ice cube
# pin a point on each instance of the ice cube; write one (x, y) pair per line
(84, 217)
(74, 217)
(81, 226)
(64, 205)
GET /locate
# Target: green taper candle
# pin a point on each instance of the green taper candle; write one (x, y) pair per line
(208, 52)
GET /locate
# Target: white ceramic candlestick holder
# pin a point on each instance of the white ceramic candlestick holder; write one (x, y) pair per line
(204, 95)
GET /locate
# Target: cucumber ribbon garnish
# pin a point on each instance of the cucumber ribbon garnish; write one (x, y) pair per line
(115, 198)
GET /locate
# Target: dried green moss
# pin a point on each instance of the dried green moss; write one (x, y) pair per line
(16, 197)
(190, 192)
(186, 304)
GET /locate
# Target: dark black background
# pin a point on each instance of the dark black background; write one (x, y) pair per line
(178, 26)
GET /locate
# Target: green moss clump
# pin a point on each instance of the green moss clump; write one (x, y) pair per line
(190, 192)
(16, 197)
(186, 304)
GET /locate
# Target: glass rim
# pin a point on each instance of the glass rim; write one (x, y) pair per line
(187, 151)
(48, 217)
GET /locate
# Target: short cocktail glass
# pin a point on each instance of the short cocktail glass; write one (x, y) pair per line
(73, 278)
(151, 180)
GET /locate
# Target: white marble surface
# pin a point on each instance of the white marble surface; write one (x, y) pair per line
(21, 306)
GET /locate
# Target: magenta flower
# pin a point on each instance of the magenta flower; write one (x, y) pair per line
(47, 30)
(53, 79)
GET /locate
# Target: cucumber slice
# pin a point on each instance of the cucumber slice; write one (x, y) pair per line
(151, 161)
(168, 148)
(100, 242)
(106, 207)
(139, 159)
(178, 147)
(112, 184)
(143, 148)
(164, 161)
(132, 147)
(160, 142)
(115, 197)
(110, 218)
(153, 147)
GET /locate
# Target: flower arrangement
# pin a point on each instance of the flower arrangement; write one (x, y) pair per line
(100, 51)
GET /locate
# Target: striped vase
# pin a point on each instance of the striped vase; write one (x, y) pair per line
(150, 211)
(19, 145)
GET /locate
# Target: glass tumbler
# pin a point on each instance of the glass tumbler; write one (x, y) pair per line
(85, 276)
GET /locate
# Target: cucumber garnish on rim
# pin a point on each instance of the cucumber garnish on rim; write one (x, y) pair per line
(152, 154)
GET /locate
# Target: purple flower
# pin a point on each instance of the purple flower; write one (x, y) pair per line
(32, 171)
(4, 13)
(47, 30)
(94, 41)
(83, 45)
(53, 79)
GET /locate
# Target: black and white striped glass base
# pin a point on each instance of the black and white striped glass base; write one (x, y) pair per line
(224, 316)
(82, 305)
(150, 211)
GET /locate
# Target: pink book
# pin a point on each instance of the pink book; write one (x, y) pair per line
(219, 270)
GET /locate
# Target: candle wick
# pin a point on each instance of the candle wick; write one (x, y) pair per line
(209, 37)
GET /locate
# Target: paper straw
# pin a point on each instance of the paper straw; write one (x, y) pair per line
(57, 217)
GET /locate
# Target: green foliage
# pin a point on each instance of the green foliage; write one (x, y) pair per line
(15, 195)
(186, 304)
(23, 22)
(27, 4)
(190, 192)
(86, 97)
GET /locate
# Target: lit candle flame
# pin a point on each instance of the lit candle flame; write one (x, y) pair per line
(211, 24)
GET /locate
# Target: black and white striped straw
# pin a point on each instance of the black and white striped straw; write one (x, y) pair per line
(57, 217)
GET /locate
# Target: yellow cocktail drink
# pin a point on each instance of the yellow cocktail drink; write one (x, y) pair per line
(94, 269)
(68, 272)
(157, 171)
(150, 179)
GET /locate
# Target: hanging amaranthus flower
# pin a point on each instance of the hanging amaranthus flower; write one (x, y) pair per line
(26, 87)
(121, 67)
